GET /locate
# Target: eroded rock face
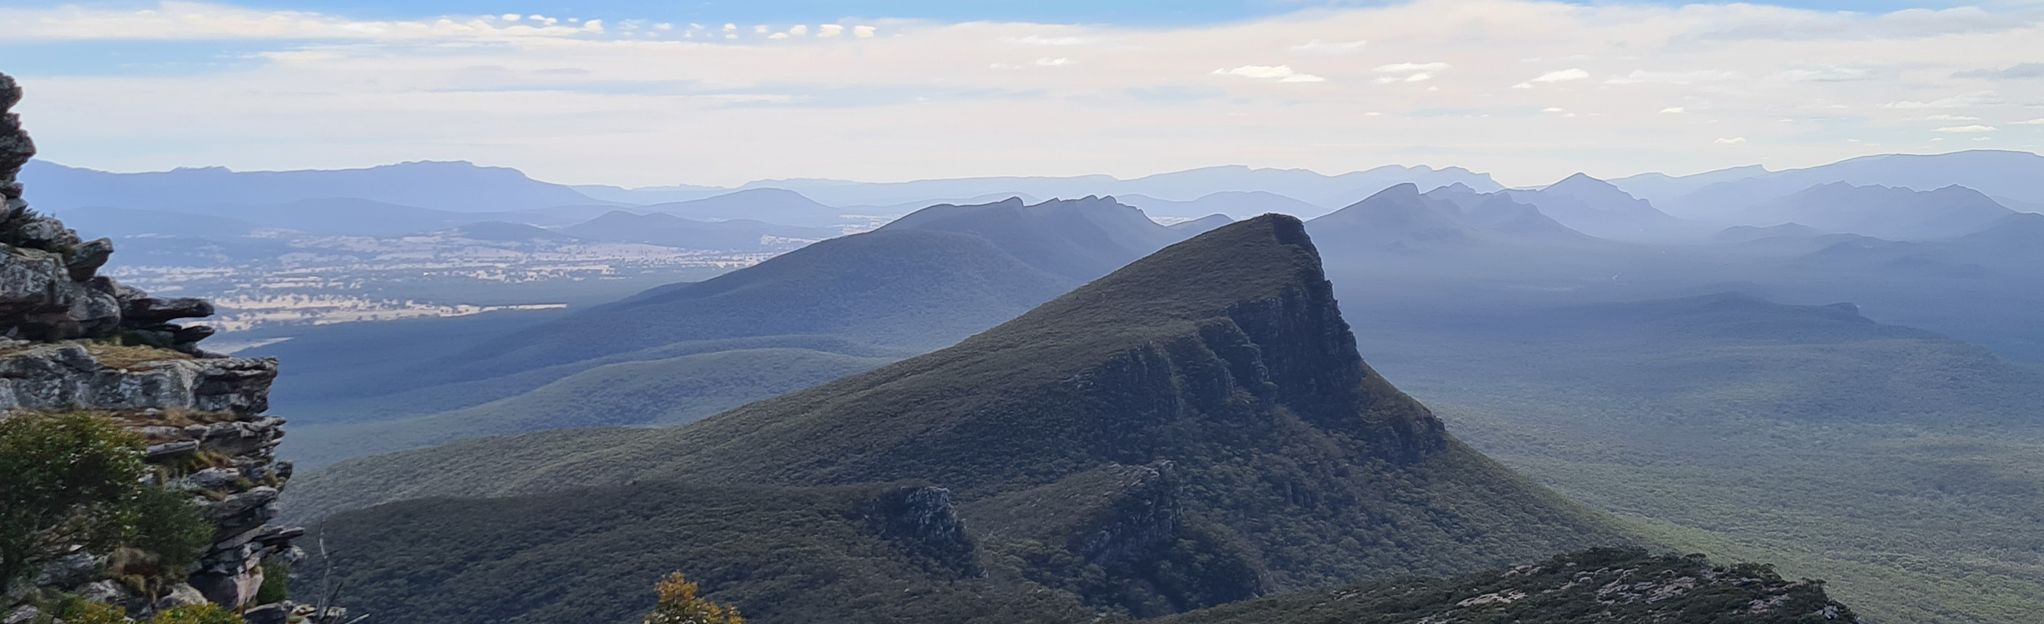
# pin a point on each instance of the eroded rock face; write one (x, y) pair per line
(66, 376)
(924, 518)
(75, 341)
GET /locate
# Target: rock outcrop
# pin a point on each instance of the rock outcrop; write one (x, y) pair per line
(73, 341)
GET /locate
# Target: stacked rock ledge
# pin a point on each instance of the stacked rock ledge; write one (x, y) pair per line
(74, 341)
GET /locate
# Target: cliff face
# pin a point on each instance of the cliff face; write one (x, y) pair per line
(73, 341)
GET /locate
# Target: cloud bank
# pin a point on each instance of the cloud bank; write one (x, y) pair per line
(619, 99)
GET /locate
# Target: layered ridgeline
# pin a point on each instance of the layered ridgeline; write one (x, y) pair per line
(139, 468)
(1192, 429)
(836, 307)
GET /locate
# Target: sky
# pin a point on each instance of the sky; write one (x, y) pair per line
(640, 92)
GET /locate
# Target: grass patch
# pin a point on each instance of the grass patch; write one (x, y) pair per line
(130, 357)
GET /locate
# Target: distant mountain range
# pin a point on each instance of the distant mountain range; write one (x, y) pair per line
(441, 193)
(449, 186)
(1401, 219)
(1892, 213)
(1994, 173)
(1600, 209)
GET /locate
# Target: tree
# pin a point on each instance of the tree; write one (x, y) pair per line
(679, 604)
(69, 480)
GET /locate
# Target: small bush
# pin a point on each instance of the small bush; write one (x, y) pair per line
(197, 614)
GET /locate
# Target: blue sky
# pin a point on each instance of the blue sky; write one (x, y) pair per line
(642, 92)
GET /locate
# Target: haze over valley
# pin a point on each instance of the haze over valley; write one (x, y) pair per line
(1427, 311)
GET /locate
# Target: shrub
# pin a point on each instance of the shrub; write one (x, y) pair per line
(171, 528)
(197, 614)
(276, 582)
(70, 479)
(679, 604)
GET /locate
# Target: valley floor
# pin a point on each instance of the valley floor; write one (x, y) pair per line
(1907, 523)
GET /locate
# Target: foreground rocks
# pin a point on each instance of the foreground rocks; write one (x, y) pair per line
(73, 341)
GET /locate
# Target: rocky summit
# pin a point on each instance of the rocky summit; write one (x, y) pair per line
(76, 342)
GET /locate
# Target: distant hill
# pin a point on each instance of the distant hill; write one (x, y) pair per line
(1597, 208)
(672, 231)
(1881, 211)
(121, 222)
(450, 186)
(918, 284)
(1400, 219)
(1080, 239)
(1748, 233)
(648, 194)
(1991, 172)
(1312, 187)
(1194, 428)
(1234, 204)
(770, 205)
(1661, 187)
(1202, 225)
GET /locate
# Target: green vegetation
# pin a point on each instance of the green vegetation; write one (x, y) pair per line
(196, 614)
(169, 535)
(72, 479)
(679, 604)
(778, 554)
(1603, 585)
(669, 391)
(77, 480)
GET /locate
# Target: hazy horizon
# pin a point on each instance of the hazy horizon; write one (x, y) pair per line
(639, 94)
(768, 181)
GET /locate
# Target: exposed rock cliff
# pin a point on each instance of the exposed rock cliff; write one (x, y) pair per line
(73, 341)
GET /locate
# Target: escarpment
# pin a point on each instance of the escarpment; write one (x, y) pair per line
(76, 342)
(1194, 429)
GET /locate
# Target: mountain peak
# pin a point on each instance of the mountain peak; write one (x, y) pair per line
(1400, 191)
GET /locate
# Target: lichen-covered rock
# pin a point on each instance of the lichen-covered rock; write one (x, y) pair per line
(66, 376)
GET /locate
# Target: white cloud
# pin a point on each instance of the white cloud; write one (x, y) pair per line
(1972, 129)
(1329, 47)
(1401, 68)
(1279, 73)
(1731, 141)
(1968, 100)
(511, 17)
(2033, 122)
(611, 106)
(1561, 75)
(798, 30)
(1554, 109)
(1041, 40)
(1053, 62)
(1949, 117)
(1674, 110)
(1684, 77)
